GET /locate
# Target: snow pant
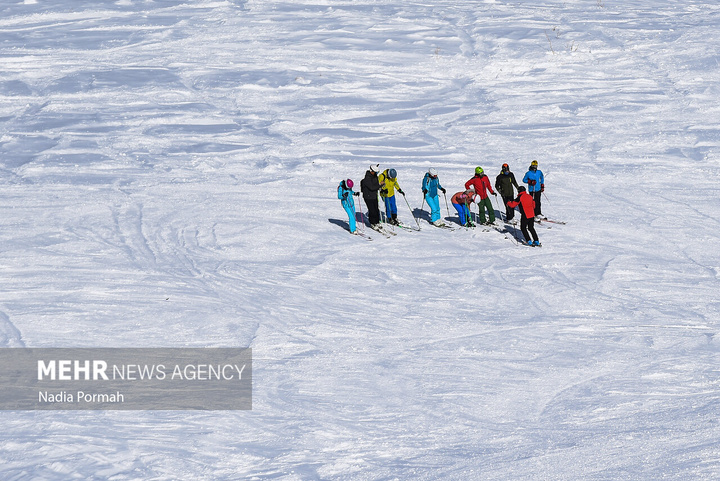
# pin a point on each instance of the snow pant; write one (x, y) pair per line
(350, 210)
(463, 212)
(509, 212)
(390, 207)
(434, 204)
(537, 197)
(485, 204)
(373, 209)
(528, 225)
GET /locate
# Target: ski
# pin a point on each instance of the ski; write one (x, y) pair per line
(390, 230)
(502, 230)
(403, 226)
(444, 226)
(517, 240)
(487, 227)
(545, 219)
(526, 244)
(362, 234)
(382, 231)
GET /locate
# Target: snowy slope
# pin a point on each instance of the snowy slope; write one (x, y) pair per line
(168, 179)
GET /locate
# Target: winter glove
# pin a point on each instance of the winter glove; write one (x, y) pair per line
(532, 182)
(542, 187)
(356, 194)
(345, 196)
(401, 192)
(383, 191)
(425, 191)
(495, 194)
(443, 190)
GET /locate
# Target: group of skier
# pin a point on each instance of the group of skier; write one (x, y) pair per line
(477, 190)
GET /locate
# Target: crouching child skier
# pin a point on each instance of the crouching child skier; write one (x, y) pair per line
(527, 216)
(461, 201)
(430, 186)
(345, 194)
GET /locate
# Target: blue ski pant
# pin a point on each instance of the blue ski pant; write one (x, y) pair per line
(434, 204)
(390, 206)
(463, 212)
(350, 210)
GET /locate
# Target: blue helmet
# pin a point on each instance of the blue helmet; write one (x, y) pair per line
(392, 173)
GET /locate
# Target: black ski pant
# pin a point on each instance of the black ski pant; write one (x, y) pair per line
(373, 209)
(509, 212)
(528, 225)
(537, 197)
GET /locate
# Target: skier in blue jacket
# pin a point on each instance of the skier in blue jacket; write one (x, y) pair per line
(345, 195)
(535, 180)
(430, 186)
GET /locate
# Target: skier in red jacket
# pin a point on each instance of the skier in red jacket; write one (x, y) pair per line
(482, 185)
(527, 215)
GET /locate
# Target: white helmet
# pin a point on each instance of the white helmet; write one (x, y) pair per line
(432, 171)
(375, 168)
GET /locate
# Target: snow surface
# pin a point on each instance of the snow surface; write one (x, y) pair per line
(168, 179)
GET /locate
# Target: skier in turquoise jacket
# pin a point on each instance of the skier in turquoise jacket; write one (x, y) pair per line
(345, 195)
(430, 186)
(535, 180)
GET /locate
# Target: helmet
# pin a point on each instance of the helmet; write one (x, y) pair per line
(479, 170)
(349, 183)
(392, 173)
(521, 188)
(534, 164)
(505, 167)
(375, 168)
(432, 171)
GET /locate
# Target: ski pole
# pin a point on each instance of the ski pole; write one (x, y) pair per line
(422, 206)
(446, 204)
(383, 214)
(515, 237)
(387, 216)
(498, 206)
(362, 216)
(411, 211)
(468, 215)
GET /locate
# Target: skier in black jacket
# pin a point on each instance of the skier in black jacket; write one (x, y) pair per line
(504, 184)
(370, 186)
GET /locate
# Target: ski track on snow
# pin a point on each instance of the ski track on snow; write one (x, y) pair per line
(10, 336)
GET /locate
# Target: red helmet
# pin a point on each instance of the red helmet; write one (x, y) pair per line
(349, 183)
